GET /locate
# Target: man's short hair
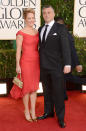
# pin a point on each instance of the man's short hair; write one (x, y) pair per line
(47, 6)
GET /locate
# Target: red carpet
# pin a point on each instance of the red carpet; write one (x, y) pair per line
(12, 117)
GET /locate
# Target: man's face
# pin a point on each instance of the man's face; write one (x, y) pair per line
(48, 14)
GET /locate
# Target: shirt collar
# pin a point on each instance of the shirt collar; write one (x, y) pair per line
(50, 23)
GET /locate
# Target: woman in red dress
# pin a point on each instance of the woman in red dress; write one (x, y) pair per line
(27, 63)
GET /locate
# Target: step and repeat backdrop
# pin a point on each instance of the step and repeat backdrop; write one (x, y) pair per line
(79, 25)
(11, 19)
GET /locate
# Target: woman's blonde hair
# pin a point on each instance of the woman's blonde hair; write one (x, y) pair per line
(26, 11)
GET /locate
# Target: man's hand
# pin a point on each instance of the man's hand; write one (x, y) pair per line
(67, 69)
(79, 68)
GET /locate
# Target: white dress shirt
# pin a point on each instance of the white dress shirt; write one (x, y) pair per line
(48, 29)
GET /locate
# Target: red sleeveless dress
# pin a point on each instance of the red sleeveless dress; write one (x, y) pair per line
(30, 68)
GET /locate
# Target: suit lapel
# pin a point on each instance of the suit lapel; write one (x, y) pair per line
(51, 31)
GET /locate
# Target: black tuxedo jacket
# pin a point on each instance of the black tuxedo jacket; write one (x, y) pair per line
(55, 53)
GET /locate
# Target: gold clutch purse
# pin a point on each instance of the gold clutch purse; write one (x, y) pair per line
(18, 81)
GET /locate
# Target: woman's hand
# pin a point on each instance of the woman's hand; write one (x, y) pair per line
(18, 69)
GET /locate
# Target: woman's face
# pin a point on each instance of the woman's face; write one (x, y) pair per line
(30, 19)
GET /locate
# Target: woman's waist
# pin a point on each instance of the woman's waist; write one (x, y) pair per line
(30, 59)
(30, 52)
(29, 56)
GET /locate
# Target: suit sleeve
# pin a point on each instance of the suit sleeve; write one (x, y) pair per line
(65, 47)
(74, 56)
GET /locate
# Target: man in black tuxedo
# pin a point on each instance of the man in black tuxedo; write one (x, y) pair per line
(55, 61)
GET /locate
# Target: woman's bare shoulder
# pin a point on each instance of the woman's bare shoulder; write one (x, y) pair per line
(23, 29)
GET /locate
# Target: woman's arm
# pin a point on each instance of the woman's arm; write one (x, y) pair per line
(19, 40)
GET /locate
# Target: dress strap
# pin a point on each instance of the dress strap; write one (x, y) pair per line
(19, 33)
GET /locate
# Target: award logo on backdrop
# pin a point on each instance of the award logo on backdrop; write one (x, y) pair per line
(79, 27)
(11, 19)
